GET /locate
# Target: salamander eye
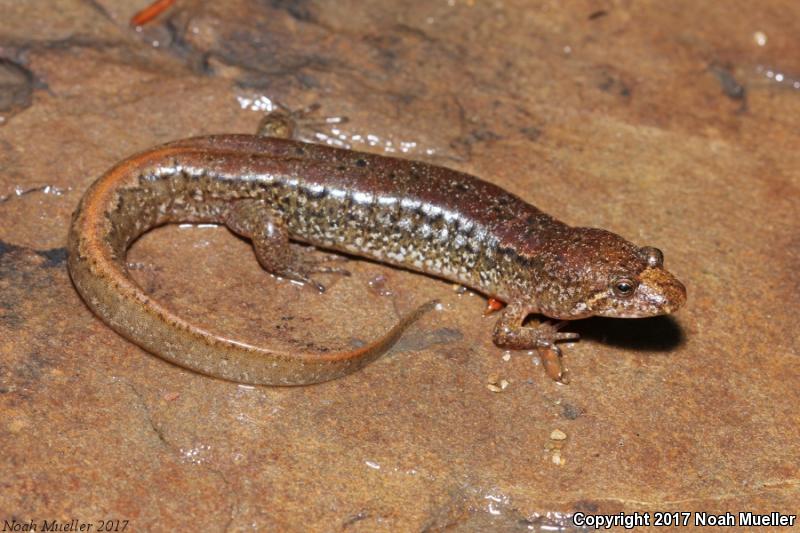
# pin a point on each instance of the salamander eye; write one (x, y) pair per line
(652, 256)
(623, 287)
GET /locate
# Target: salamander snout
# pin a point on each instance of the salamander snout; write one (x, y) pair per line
(658, 293)
(654, 291)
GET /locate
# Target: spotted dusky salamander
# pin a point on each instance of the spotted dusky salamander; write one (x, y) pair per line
(270, 189)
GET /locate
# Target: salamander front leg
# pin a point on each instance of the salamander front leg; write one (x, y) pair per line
(510, 333)
(256, 221)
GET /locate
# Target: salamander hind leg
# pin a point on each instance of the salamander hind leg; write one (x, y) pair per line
(285, 123)
(510, 333)
(256, 221)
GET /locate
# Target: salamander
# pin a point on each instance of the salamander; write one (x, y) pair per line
(272, 189)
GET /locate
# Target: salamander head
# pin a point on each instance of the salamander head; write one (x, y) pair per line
(593, 272)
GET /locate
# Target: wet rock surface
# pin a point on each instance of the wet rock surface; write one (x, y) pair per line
(674, 124)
